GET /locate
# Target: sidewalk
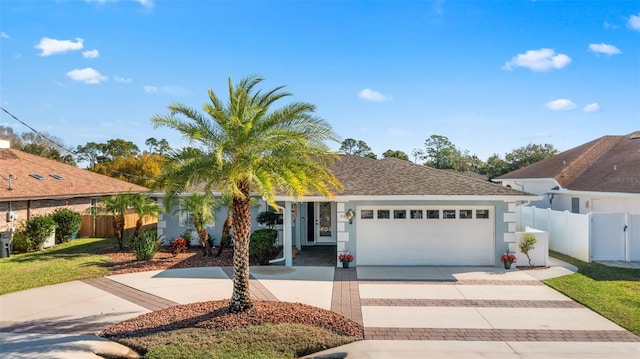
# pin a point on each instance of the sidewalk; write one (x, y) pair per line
(407, 312)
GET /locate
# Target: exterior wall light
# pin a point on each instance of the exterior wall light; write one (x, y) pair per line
(350, 215)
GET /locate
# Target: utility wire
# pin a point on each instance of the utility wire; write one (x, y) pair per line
(38, 133)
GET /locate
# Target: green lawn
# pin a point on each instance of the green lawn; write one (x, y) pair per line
(612, 292)
(66, 262)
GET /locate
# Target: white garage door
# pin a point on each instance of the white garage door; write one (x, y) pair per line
(425, 235)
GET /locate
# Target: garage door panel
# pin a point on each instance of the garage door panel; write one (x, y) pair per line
(426, 241)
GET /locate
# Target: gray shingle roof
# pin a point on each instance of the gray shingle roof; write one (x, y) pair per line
(394, 177)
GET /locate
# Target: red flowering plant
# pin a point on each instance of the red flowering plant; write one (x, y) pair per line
(180, 245)
(345, 257)
(508, 258)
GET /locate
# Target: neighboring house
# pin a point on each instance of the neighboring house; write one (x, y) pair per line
(33, 185)
(394, 212)
(599, 176)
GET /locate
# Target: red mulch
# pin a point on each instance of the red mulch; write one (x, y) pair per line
(125, 262)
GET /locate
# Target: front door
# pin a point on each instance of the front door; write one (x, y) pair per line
(321, 225)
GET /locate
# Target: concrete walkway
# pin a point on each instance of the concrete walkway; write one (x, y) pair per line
(407, 312)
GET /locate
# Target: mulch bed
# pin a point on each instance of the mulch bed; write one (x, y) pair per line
(214, 314)
(125, 262)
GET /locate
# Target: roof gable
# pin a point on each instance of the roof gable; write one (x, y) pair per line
(35, 177)
(607, 164)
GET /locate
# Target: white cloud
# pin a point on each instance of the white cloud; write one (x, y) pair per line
(87, 75)
(146, 3)
(371, 95)
(91, 54)
(150, 89)
(538, 60)
(607, 25)
(561, 105)
(4, 35)
(604, 49)
(52, 46)
(634, 22)
(122, 79)
(592, 107)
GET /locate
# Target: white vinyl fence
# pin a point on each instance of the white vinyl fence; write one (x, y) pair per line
(593, 236)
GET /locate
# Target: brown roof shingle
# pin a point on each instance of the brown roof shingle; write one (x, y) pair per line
(75, 182)
(607, 164)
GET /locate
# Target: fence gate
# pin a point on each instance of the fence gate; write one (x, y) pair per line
(608, 236)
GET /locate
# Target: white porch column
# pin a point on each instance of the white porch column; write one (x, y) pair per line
(286, 232)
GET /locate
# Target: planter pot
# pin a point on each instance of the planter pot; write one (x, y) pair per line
(345, 264)
(507, 265)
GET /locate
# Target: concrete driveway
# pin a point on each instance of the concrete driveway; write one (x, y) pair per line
(407, 312)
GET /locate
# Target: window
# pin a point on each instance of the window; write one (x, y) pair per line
(466, 213)
(433, 213)
(575, 205)
(399, 214)
(482, 214)
(383, 214)
(366, 214)
(449, 214)
(416, 214)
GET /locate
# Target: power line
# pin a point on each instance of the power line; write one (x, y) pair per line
(37, 133)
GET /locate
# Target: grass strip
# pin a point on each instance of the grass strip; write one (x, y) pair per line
(610, 291)
(69, 261)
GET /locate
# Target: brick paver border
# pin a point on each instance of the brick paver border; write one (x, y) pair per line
(133, 295)
(472, 303)
(257, 291)
(520, 335)
(345, 299)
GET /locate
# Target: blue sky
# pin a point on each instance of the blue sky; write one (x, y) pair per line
(490, 75)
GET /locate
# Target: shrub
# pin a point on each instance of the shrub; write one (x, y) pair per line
(20, 242)
(146, 245)
(178, 246)
(268, 218)
(526, 244)
(38, 229)
(261, 244)
(68, 223)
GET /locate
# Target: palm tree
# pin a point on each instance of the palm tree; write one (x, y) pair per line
(117, 205)
(200, 207)
(143, 206)
(247, 148)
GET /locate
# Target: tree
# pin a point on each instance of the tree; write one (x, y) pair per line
(142, 169)
(120, 148)
(117, 205)
(356, 147)
(495, 167)
(529, 154)
(143, 206)
(417, 154)
(396, 154)
(200, 208)
(91, 152)
(248, 147)
(440, 152)
(160, 147)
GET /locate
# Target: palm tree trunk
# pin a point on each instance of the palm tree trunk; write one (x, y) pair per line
(118, 228)
(241, 299)
(136, 233)
(226, 235)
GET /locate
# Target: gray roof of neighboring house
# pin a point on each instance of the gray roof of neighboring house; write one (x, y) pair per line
(71, 181)
(607, 164)
(394, 177)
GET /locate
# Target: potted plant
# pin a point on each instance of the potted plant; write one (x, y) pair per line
(345, 258)
(507, 259)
